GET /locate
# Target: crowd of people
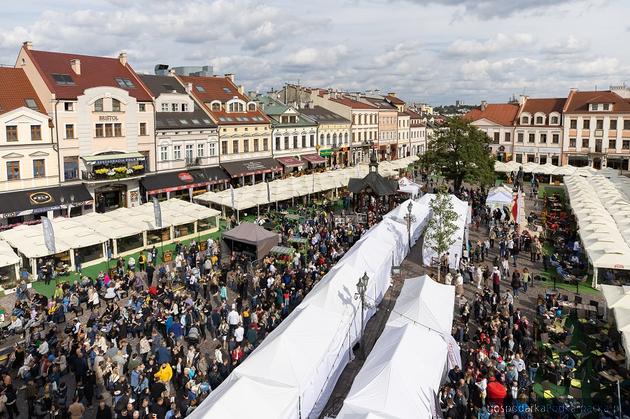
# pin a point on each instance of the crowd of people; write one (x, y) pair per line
(151, 339)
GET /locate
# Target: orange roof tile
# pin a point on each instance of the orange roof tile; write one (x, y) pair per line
(15, 88)
(95, 72)
(351, 103)
(546, 106)
(578, 101)
(499, 113)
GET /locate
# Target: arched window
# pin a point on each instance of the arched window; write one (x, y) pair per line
(251, 107)
(334, 140)
(236, 107)
(346, 138)
(98, 105)
(115, 105)
(321, 139)
(216, 106)
(327, 139)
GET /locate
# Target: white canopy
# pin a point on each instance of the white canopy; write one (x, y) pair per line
(29, 241)
(463, 219)
(407, 186)
(7, 255)
(622, 318)
(499, 196)
(616, 296)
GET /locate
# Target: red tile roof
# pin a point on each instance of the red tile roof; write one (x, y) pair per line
(351, 103)
(578, 101)
(95, 72)
(545, 106)
(395, 100)
(499, 113)
(223, 90)
(15, 88)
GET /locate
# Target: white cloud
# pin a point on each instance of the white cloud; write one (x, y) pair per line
(499, 43)
(317, 57)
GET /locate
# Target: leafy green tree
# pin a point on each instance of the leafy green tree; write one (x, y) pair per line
(440, 231)
(461, 152)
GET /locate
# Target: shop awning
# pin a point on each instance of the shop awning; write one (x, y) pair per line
(313, 158)
(215, 175)
(251, 167)
(174, 181)
(113, 158)
(14, 204)
(290, 162)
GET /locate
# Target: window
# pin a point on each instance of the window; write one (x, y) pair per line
(519, 137)
(177, 152)
(586, 124)
(142, 107)
(200, 88)
(286, 143)
(165, 107)
(31, 104)
(525, 120)
(295, 142)
(265, 144)
(606, 106)
(235, 146)
(531, 158)
(115, 105)
(554, 121)
(63, 79)
(184, 107)
(573, 123)
(256, 144)
(227, 90)
(594, 107)
(98, 105)
(235, 107)
(118, 130)
(143, 128)
(216, 106)
(109, 130)
(251, 107)
(303, 141)
(543, 138)
(99, 133)
(163, 153)
(36, 132)
(519, 158)
(613, 124)
(612, 144)
(124, 83)
(496, 137)
(539, 120)
(584, 142)
(189, 153)
(599, 124)
(71, 167)
(224, 147)
(12, 134)
(277, 143)
(13, 170)
(245, 146)
(212, 149)
(543, 160)
(39, 168)
(572, 142)
(555, 138)
(626, 124)
(625, 144)
(69, 131)
(507, 139)
(175, 107)
(68, 106)
(200, 150)
(531, 138)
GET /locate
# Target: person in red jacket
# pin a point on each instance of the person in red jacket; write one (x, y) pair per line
(496, 392)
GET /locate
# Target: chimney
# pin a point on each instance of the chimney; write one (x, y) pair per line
(172, 72)
(230, 76)
(240, 89)
(122, 57)
(188, 87)
(522, 99)
(28, 45)
(484, 105)
(75, 63)
(392, 94)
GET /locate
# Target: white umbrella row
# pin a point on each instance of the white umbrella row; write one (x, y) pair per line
(550, 169)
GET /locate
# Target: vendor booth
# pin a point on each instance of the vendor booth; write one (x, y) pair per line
(9, 266)
(498, 197)
(251, 239)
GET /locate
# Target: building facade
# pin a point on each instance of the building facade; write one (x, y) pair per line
(333, 133)
(387, 142)
(597, 128)
(538, 133)
(417, 133)
(497, 121)
(103, 119)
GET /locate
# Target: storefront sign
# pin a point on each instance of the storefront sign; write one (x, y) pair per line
(185, 177)
(39, 198)
(253, 166)
(108, 118)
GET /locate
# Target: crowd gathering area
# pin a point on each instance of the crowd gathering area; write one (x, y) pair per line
(257, 315)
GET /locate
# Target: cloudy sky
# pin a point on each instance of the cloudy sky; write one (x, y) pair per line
(435, 51)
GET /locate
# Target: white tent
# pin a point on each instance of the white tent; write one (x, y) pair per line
(616, 296)
(420, 215)
(498, 197)
(407, 186)
(455, 250)
(7, 255)
(264, 400)
(622, 318)
(625, 340)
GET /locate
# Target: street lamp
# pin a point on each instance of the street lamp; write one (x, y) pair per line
(410, 218)
(361, 290)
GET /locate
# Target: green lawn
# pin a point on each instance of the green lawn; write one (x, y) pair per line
(585, 287)
(550, 190)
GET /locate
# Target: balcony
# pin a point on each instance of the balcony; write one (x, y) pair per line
(193, 161)
(113, 173)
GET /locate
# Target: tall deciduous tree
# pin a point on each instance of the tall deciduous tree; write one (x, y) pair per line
(461, 152)
(440, 232)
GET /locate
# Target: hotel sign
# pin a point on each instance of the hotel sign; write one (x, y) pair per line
(108, 118)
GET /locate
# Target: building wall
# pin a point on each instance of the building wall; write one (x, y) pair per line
(41, 88)
(25, 151)
(167, 142)
(501, 137)
(418, 139)
(297, 133)
(404, 135)
(243, 134)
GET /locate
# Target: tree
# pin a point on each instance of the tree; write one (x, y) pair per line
(461, 152)
(441, 228)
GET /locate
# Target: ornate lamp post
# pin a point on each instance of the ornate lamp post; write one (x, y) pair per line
(410, 218)
(360, 294)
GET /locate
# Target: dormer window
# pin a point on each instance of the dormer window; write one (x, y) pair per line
(175, 107)
(606, 106)
(63, 79)
(98, 105)
(525, 120)
(216, 106)
(251, 107)
(165, 107)
(236, 107)
(554, 120)
(594, 106)
(124, 83)
(31, 104)
(539, 120)
(184, 107)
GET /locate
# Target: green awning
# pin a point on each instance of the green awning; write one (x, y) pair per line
(325, 153)
(114, 158)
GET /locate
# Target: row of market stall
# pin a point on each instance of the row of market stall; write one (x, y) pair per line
(266, 193)
(551, 170)
(618, 301)
(601, 206)
(293, 372)
(92, 238)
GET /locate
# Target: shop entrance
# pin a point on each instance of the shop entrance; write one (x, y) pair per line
(110, 197)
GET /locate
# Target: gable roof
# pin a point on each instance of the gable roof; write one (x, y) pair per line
(394, 100)
(578, 101)
(499, 113)
(545, 106)
(222, 89)
(95, 72)
(15, 88)
(162, 84)
(351, 103)
(323, 115)
(380, 103)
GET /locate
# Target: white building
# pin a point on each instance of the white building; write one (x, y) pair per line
(538, 132)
